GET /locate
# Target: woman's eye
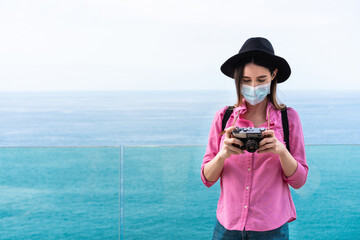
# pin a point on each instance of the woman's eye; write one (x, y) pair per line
(246, 80)
(259, 80)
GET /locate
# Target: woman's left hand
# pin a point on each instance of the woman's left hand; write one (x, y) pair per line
(270, 143)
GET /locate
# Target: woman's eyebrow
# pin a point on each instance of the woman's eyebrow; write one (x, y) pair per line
(262, 76)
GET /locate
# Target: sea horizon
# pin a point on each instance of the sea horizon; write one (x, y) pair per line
(145, 118)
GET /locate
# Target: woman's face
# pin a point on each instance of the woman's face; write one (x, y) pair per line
(255, 75)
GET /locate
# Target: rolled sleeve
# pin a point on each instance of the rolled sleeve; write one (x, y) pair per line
(298, 178)
(204, 180)
(297, 150)
(213, 144)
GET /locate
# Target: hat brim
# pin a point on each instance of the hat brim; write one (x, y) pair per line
(281, 64)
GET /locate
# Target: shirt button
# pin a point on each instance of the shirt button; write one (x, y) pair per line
(245, 207)
(249, 169)
(247, 188)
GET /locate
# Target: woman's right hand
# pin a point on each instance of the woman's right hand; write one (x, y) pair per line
(228, 148)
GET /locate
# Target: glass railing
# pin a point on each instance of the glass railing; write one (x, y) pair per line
(59, 193)
(155, 193)
(164, 195)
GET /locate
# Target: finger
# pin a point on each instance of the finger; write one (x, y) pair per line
(266, 141)
(235, 150)
(266, 147)
(228, 131)
(228, 141)
(231, 141)
(236, 141)
(229, 144)
(268, 133)
(232, 150)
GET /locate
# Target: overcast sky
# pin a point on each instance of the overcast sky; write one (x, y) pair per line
(165, 44)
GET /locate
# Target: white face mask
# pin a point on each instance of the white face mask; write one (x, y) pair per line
(255, 95)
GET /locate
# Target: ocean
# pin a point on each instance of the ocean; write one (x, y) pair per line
(137, 118)
(142, 178)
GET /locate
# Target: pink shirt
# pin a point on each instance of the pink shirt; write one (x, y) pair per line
(255, 193)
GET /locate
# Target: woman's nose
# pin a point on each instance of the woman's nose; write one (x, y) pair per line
(254, 84)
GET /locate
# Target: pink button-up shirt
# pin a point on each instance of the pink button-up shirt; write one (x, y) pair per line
(255, 192)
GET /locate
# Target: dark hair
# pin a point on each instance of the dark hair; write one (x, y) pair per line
(238, 74)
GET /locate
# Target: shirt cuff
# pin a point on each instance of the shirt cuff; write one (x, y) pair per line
(204, 180)
(298, 178)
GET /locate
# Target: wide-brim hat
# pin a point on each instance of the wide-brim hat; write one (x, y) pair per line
(262, 48)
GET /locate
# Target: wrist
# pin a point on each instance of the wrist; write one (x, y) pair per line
(220, 157)
(283, 152)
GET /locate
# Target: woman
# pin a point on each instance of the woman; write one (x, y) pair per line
(255, 200)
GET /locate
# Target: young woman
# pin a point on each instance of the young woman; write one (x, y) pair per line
(255, 200)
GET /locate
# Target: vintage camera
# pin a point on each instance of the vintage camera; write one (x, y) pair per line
(250, 137)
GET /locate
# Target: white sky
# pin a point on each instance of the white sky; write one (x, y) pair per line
(165, 44)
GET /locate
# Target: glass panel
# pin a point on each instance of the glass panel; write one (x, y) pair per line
(74, 193)
(164, 195)
(59, 193)
(328, 205)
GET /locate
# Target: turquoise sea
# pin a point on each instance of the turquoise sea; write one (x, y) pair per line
(158, 118)
(126, 165)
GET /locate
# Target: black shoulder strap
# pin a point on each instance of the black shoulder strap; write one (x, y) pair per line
(226, 116)
(285, 123)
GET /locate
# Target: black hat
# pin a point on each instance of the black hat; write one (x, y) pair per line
(258, 47)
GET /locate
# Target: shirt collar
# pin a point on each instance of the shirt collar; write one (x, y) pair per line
(242, 108)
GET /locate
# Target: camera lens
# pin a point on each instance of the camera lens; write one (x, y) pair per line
(251, 146)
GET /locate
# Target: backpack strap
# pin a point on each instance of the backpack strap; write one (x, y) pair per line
(285, 124)
(226, 116)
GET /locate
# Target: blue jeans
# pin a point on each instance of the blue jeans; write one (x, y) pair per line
(281, 233)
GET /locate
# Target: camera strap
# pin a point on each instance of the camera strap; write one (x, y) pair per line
(284, 118)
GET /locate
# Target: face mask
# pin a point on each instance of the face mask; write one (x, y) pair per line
(255, 95)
